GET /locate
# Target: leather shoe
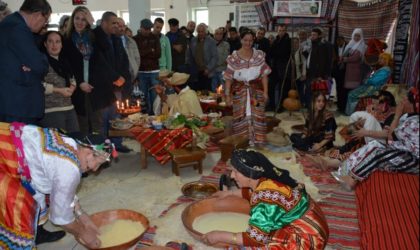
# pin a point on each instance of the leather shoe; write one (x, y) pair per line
(123, 149)
(44, 236)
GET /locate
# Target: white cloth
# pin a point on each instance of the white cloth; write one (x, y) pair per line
(353, 45)
(51, 174)
(371, 124)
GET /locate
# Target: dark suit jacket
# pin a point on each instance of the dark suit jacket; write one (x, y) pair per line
(320, 64)
(178, 58)
(21, 92)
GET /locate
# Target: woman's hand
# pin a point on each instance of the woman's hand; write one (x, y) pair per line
(358, 134)
(213, 237)
(66, 92)
(266, 98)
(86, 87)
(90, 231)
(316, 147)
(89, 240)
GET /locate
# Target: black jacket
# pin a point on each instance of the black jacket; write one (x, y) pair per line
(320, 62)
(280, 50)
(101, 77)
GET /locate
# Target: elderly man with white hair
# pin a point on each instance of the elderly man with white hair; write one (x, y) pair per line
(202, 57)
(4, 10)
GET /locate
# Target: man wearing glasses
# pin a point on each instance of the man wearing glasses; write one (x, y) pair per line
(22, 65)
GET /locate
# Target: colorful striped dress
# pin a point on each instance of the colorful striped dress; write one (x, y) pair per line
(284, 218)
(34, 162)
(248, 96)
(401, 155)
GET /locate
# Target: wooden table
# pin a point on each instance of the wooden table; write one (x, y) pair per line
(215, 107)
(159, 143)
(128, 133)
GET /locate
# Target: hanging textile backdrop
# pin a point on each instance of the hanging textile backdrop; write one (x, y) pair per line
(401, 38)
(328, 13)
(410, 68)
(375, 19)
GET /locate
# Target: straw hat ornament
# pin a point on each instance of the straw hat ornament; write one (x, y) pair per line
(164, 73)
(179, 78)
(278, 137)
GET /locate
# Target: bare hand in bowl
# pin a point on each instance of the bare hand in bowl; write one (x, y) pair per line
(90, 233)
(215, 237)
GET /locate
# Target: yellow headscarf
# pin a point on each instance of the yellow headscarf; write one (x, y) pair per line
(387, 59)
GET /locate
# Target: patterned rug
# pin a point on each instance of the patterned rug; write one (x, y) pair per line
(339, 208)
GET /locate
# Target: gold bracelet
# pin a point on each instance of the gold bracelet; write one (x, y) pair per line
(234, 239)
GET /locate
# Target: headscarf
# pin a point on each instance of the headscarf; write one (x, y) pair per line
(387, 58)
(99, 144)
(353, 45)
(255, 165)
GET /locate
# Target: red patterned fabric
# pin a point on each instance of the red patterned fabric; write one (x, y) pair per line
(388, 211)
(375, 20)
(159, 143)
(17, 206)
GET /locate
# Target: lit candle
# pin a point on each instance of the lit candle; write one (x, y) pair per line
(126, 102)
(118, 105)
(138, 103)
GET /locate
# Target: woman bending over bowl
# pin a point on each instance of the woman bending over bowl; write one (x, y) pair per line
(282, 213)
(39, 162)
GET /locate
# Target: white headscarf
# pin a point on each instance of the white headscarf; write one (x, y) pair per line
(353, 45)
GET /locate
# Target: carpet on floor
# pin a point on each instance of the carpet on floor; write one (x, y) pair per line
(339, 207)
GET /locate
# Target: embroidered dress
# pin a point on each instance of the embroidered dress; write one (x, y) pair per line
(35, 160)
(284, 218)
(398, 156)
(248, 96)
(306, 141)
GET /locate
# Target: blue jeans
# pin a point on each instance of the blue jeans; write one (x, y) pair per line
(216, 80)
(110, 113)
(148, 80)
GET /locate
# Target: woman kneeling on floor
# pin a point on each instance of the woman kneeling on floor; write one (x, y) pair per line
(283, 215)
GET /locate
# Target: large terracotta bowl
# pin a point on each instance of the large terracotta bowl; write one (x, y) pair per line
(106, 217)
(212, 205)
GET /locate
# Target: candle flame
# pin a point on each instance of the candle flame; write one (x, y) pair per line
(219, 89)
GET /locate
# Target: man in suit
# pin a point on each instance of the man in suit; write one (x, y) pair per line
(318, 62)
(339, 71)
(22, 65)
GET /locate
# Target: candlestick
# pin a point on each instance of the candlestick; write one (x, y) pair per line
(126, 102)
(118, 105)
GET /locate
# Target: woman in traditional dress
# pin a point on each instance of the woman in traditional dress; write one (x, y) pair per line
(59, 86)
(35, 162)
(283, 215)
(373, 84)
(320, 128)
(376, 121)
(353, 58)
(401, 154)
(247, 90)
